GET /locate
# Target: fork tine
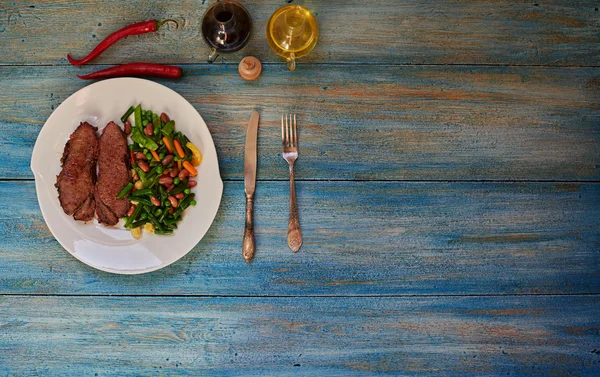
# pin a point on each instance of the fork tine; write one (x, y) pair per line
(282, 134)
(295, 139)
(288, 128)
(285, 132)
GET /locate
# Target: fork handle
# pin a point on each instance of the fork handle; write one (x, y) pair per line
(248, 245)
(294, 235)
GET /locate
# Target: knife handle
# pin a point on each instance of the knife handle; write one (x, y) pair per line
(248, 246)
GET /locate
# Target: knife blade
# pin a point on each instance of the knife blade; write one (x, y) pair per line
(248, 246)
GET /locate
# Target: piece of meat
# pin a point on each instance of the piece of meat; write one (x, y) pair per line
(75, 183)
(105, 215)
(113, 175)
(87, 209)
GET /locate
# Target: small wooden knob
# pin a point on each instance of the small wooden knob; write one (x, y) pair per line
(250, 68)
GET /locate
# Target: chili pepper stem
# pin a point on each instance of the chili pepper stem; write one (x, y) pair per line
(161, 23)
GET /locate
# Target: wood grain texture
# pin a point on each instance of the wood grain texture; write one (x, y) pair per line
(400, 123)
(360, 238)
(449, 336)
(353, 31)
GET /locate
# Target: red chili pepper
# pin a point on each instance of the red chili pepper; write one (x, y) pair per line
(135, 29)
(135, 69)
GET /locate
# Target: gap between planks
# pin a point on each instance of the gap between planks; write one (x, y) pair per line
(590, 294)
(232, 63)
(380, 180)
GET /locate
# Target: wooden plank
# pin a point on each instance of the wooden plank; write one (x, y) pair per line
(353, 31)
(360, 238)
(402, 123)
(450, 336)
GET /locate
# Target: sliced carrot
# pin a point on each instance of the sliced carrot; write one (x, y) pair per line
(179, 165)
(167, 144)
(178, 148)
(190, 168)
(155, 155)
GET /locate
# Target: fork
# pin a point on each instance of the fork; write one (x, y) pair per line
(289, 140)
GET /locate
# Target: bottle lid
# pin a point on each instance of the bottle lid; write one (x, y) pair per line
(250, 68)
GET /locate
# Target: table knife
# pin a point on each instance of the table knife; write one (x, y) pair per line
(248, 246)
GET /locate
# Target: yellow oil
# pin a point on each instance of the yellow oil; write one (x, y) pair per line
(292, 32)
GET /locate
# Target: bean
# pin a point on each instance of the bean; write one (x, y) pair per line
(127, 113)
(140, 156)
(173, 201)
(148, 130)
(167, 160)
(131, 209)
(170, 188)
(180, 195)
(136, 177)
(144, 166)
(155, 201)
(171, 211)
(127, 127)
(174, 172)
(140, 200)
(183, 174)
(165, 181)
(192, 183)
(164, 118)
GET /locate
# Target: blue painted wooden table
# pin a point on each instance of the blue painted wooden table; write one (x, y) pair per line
(448, 183)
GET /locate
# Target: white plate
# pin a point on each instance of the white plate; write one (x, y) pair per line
(114, 249)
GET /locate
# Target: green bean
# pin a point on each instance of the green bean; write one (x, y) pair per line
(143, 192)
(153, 220)
(134, 216)
(139, 223)
(156, 123)
(127, 114)
(153, 181)
(173, 221)
(166, 231)
(138, 116)
(180, 188)
(183, 204)
(140, 200)
(125, 190)
(163, 216)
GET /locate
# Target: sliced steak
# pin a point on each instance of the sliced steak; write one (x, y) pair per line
(87, 209)
(113, 175)
(76, 180)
